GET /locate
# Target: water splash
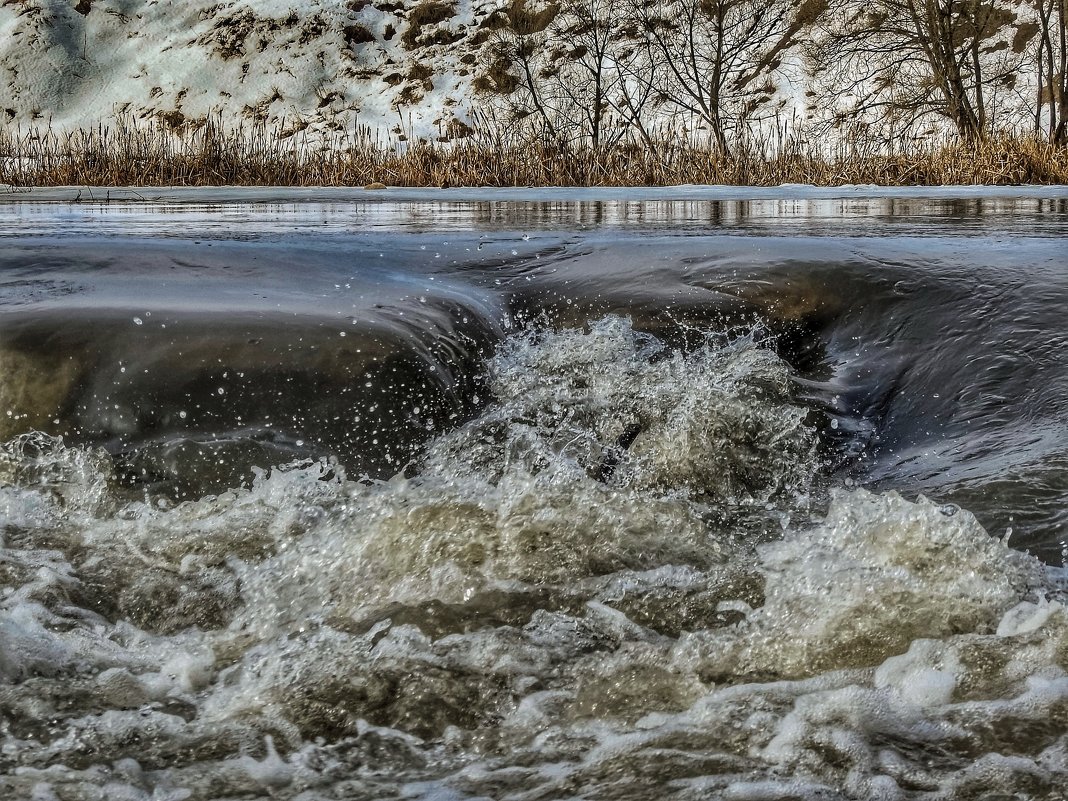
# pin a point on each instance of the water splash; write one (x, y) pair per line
(605, 584)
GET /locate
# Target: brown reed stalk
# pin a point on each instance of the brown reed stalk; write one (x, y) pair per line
(133, 153)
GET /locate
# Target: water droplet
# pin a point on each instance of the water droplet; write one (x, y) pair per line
(183, 414)
(138, 321)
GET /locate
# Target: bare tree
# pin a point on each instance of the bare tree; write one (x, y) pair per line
(595, 70)
(711, 54)
(1052, 57)
(570, 82)
(910, 60)
(584, 69)
(517, 54)
(635, 95)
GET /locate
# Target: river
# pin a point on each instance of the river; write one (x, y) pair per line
(473, 494)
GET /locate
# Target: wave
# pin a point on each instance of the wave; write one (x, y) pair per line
(626, 574)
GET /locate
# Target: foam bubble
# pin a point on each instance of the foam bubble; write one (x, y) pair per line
(550, 607)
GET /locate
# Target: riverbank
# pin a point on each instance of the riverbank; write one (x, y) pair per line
(132, 154)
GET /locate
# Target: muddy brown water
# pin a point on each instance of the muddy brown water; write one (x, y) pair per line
(534, 498)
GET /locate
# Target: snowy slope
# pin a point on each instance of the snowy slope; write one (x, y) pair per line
(402, 68)
(327, 64)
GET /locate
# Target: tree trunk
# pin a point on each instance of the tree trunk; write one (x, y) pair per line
(1060, 133)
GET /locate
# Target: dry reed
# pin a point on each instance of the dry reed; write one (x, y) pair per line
(141, 154)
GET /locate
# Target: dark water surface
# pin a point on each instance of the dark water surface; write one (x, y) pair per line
(930, 333)
(543, 498)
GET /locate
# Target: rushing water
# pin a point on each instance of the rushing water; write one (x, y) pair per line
(534, 498)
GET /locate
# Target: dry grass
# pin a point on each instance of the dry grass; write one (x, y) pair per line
(131, 154)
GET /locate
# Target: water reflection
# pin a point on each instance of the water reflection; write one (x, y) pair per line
(1036, 216)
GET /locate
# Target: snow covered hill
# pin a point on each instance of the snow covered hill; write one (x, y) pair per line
(327, 64)
(424, 68)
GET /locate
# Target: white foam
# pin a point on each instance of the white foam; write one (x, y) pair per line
(507, 619)
(1027, 617)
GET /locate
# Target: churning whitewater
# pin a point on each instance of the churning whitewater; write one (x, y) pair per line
(611, 555)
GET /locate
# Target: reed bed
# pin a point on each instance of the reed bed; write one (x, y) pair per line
(129, 153)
